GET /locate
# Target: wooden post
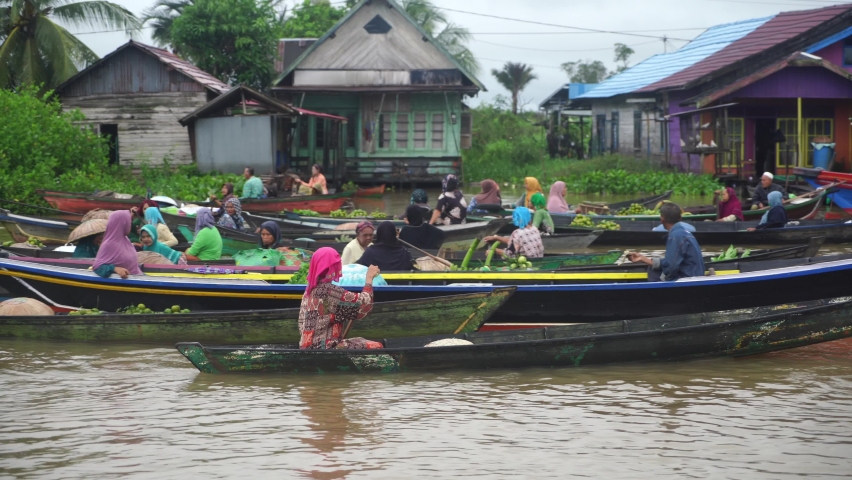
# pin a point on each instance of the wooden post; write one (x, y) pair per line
(798, 134)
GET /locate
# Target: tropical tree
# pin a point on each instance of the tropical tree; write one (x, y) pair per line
(514, 77)
(37, 50)
(585, 71)
(622, 57)
(452, 37)
(161, 17)
(311, 19)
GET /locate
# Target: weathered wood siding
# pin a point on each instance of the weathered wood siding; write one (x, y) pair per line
(352, 48)
(625, 144)
(148, 128)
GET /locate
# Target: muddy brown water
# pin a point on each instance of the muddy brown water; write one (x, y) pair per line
(75, 410)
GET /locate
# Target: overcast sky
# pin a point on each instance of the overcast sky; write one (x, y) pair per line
(494, 42)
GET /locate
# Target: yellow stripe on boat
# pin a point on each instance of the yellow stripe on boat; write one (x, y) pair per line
(144, 289)
(281, 277)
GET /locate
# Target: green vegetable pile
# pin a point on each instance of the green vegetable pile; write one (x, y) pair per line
(636, 209)
(9, 243)
(521, 263)
(379, 214)
(142, 309)
(35, 242)
(85, 311)
(731, 254)
(300, 277)
(358, 213)
(349, 187)
(609, 225)
(585, 221)
(338, 214)
(306, 213)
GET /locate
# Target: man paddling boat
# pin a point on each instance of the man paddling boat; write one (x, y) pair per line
(683, 254)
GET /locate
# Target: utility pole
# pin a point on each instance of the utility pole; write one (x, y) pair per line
(665, 44)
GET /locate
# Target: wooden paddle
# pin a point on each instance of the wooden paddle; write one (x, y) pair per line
(433, 257)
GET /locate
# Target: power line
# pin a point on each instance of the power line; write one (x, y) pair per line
(560, 51)
(531, 64)
(106, 31)
(553, 24)
(586, 33)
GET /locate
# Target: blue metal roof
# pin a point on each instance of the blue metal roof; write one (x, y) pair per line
(830, 40)
(664, 65)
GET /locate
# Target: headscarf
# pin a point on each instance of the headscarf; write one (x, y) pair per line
(116, 248)
(538, 201)
(556, 201)
(149, 203)
(229, 187)
(775, 200)
(446, 181)
(157, 247)
(237, 217)
(386, 252)
(153, 216)
(203, 219)
(325, 267)
(414, 215)
(532, 186)
(272, 228)
(732, 206)
(452, 185)
(490, 193)
(419, 196)
(521, 217)
(361, 226)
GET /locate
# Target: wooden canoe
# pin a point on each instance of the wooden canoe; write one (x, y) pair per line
(84, 202)
(427, 316)
(684, 337)
(49, 232)
(537, 299)
(650, 201)
(371, 192)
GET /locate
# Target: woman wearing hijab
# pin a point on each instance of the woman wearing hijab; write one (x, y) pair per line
(776, 217)
(420, 198)
(387, 252)
(363, 238)
(270, 235)
(490, 195)
(207, 244)
(116, 254)
(87, 247)
(227, 194)
(729, 208)
(139, 219)
(233, 216)
(327, 309)
(531, 186)
(451, 208)
(155, 218)
(149, 238)
(556, 200)
(419, 233)
(525, 241)
(542, 219)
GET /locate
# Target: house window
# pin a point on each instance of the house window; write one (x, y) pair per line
(437, 131)
(813, 127)
(613, 147)
(637, 130)
(384, 131)
(847, 52)
(420, 130)
(110, 132)
(304, 131)
(319, 129)
(735, 142)
(787, 152)
(402, 131)
(377, 26)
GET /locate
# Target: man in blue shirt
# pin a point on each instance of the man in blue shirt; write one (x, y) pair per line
(683, 255)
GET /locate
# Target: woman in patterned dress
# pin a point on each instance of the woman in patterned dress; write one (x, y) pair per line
(327, 309)
(451, 208)
(525, 241)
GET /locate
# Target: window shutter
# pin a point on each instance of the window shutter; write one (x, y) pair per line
(466, 130)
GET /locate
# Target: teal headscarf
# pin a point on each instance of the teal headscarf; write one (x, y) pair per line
(775, 200)
(157, 247)
(521, 217)
(153, 216)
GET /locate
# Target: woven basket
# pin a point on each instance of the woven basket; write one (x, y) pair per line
(87, 229)
(151, 258)
(428, 264)
(29, 307)
(96, 214)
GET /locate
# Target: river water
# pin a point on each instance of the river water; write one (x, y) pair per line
(74, 410)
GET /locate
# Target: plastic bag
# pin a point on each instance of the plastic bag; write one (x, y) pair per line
(258, 257)
(355, 275)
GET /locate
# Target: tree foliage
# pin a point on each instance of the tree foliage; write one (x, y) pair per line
(36, 50)
(235, 40)
(453, 38)
(161, 17)
(311, 19)
(622, 57)
(514, 77)
(587, 71)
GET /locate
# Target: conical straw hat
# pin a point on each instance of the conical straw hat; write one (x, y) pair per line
(96, 214)
(87, 229)
(151, 258)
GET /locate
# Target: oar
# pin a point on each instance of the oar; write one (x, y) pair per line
(433, 257)
(3, 200)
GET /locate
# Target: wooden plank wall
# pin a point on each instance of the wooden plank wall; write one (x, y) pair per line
(148, 127)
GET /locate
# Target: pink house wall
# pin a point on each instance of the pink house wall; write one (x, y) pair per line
(833, 53)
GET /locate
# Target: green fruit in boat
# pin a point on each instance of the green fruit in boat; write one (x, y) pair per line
(513, 266)
(175, 308)
(185, 310)
(522, 259)
(141, 306)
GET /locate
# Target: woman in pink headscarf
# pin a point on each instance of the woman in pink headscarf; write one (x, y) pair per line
(556, 200)
(327, 309)
(117, 254)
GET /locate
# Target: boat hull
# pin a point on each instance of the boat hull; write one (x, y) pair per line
(627, 341)
(371, 192)
(49, 232)
(428, 316)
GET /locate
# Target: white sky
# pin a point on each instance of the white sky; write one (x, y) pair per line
(493, 44)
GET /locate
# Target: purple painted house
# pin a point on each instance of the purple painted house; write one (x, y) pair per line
(740, 99)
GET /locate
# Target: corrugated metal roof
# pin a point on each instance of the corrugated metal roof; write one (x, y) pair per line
(828, 41)
(780, 28)
(186, 68)
(664, 65)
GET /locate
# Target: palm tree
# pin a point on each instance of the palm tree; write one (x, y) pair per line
(449, 35)
(36, 50)
(161, 17)
(514, 77)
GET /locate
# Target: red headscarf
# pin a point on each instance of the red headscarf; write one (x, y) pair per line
(732, 206)
(325, 267)
(150, 203)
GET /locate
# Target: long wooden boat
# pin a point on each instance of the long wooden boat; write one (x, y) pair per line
(370, 192)
(683, 337)
(427, 316)
(650, 201)
(49, 232)
(539, 301)
(85, 202)
(819, 178)
(290, 222)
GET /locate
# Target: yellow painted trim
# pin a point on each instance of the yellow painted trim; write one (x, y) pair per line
(441, 276)
(143, 289)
